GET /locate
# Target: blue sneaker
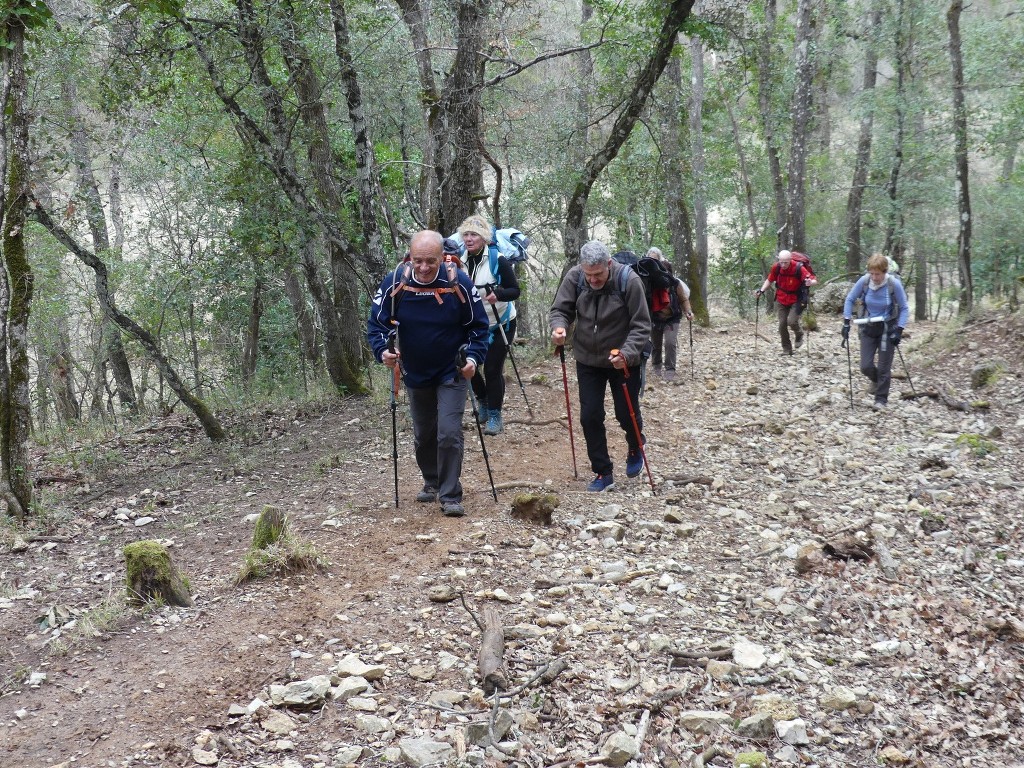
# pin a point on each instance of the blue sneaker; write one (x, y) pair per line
(483, 414)
(601, 483)
(495, 425)
(634, 463)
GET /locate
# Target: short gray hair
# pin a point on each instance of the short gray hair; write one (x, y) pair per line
(655, 253)
(593, 253)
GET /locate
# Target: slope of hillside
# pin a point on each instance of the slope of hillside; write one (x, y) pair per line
(746, 606)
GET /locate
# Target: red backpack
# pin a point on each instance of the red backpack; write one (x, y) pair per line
(803, 296)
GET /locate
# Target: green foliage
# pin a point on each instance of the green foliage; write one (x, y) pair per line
(30, 14)
(976, 444)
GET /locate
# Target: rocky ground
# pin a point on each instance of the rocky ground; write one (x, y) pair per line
(820, 584)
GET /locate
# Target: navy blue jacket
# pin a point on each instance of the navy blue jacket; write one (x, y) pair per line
(429, 333)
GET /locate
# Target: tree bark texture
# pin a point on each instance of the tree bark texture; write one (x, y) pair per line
(673, 162)
(366, 171)
(963, 196)
(796, 238)
(741, 158)
(89, 190)
(575, 230)
(855, 199)
(211, 426)
(251, 346)
(902, 44)
(305, 325)
(697, 275)
(452, 162)
(766, 92)
(16, 283)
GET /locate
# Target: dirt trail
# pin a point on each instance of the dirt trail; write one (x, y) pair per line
(789, 463)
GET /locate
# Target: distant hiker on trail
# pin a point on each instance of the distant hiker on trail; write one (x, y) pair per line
(881, 306)
(789, 278)
(495, 279)
(667, 334)
(606, 301)
(431, 309)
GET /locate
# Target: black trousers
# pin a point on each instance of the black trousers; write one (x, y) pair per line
(592, 383)
(489, 387)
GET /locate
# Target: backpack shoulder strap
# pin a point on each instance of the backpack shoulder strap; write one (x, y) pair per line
(492, 255)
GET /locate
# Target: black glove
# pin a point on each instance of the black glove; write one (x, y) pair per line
(895, 336)
(846, 330)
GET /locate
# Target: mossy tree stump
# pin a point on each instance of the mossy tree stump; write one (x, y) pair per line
(152, 576)
(271, 525)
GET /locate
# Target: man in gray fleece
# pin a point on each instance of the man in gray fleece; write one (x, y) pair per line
(606, 301)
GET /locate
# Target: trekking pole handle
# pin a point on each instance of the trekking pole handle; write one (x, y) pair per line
(462, 357)
(625, 368)
(391, 342)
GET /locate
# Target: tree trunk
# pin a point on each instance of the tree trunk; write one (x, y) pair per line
(338, 361)
(583, 84)
(16, 282)
(673, 161)
(211, 426)
(81, 152)
(575, 231)
(365, 163)
(963, 197)
(863, 158)
(802, 119)
(251, 346)
(697, 275)
(894, 219)
(741, 157)
(765, 94)
(452, 170)
(309, 343)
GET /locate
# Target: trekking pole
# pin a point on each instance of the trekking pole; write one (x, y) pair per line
(512, 359)
(906, 370)
(757, 314)
(690, 323)
(568, 410)
(636, 427)
(396, 378)
(461, 360)
(849, 366)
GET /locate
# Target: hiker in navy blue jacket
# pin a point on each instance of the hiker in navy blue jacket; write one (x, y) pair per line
(434, 309)
(884, 313)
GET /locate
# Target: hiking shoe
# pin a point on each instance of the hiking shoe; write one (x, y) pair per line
(669, 374)
(483, 414)
(634, 463)
(799, 341)
(495, 426)
(872, 387)
(601, 483)
(787, 353)
(879, 405)
(452, 509)
(427, 495)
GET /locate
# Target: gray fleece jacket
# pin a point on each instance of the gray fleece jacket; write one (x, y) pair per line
(606, 319)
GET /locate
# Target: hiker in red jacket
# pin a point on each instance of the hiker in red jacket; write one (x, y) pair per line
(788, 277)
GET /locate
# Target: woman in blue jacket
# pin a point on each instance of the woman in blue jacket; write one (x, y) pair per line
(883, 313)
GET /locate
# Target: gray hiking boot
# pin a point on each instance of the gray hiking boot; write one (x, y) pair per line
(495, 425)
(452, 509)
(427, 495)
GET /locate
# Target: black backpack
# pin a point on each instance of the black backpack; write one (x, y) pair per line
(660, 289)
(659, 286)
